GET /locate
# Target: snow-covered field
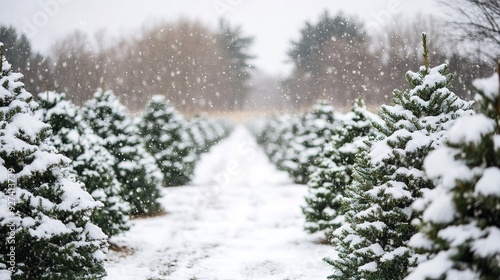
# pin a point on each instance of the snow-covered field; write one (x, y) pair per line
(241, 219)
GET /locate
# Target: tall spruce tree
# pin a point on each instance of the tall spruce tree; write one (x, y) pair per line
(164, 132)
(91, 162)
(334, 169)
(373, 243)
(314, 130)
(44, 215)
(311, 80)
(135, 167)
(460, 232)
(236, 48)
(36, 68)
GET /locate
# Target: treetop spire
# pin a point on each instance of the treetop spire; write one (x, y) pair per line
(1, 56)
(426, 50)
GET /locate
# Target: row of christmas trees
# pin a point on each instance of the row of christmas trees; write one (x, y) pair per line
(292, 142)
(410, 193)
(70, 177)
(121, 160)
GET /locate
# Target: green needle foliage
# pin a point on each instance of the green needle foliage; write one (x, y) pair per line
(310, 135)
(323, 210)
(389, 176)
(165, 136)
(135, 167)
(45, 224)
(91, 162)
(460, 229)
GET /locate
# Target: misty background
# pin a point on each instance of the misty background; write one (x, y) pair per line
(235, 55)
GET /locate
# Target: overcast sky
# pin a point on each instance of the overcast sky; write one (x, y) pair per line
(273, 23)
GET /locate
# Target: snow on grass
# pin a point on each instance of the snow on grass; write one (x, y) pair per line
(241, 219)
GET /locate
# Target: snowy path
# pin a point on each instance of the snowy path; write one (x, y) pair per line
(241, 219)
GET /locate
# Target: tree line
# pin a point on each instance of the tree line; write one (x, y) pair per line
(336, 59)
(197, 68)
(72, 176)
(201, 69)
(409, 193)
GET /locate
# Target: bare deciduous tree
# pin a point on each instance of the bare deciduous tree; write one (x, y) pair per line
(75, 69)
(185, 61)
(477, 22)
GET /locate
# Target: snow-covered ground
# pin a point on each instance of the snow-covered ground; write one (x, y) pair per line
(241, 219)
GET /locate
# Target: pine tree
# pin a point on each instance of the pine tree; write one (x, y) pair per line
(312, 133)
(36, 68)
(460, 232)
(275, 136)
(44, 217)
(91, 162)
(197, 135)
(334, 169)
(236, 47)
(312, 77)
(205, 132)
(135, 167)
(164, 132)
(373, 243)
(221, 128)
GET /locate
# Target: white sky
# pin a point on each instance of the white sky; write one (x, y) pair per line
(273, 23)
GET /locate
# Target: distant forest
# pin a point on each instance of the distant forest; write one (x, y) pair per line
(200, 69)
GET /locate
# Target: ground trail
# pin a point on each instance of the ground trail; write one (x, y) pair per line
(240, 219)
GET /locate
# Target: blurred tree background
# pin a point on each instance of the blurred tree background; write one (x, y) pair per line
(201, 69)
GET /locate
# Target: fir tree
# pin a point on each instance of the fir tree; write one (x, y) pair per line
(164, 132)
(205, 133)
(461, 216)
(135, 167)
(91, 162)
(275, 136)
(197, 135)
(222, 128)
(373, 243)
(310, 79)
(333, 173)
(44, 217)
(312, 133)
(236, 48)
(36, 68)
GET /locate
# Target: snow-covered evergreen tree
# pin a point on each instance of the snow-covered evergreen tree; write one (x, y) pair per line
(222, 128)
(197, 135)
(257, 126)
(275, 137)
(45, 223)
(388, 177)
(314, 130)
(205, 132)
(334, 169)
(135, 168)
(91, 162)
(165, 136)
(461, 216)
